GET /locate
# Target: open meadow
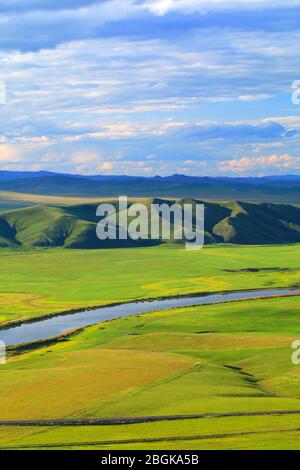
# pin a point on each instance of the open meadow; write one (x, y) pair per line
(38, 282)
(231, 358)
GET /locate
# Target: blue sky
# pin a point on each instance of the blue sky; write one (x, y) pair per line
(150, 86)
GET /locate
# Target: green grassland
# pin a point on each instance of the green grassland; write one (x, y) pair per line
(226, 358)
(232, 357)
(40, 282)
(74, 226)
(13, 200)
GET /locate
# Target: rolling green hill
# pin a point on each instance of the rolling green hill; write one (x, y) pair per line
(75, 226)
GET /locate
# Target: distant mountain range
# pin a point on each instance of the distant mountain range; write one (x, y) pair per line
(266, 189)
(75, 226)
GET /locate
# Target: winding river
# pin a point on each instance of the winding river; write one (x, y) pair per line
(49, 327)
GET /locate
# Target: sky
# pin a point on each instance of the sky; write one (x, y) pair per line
(147, 87)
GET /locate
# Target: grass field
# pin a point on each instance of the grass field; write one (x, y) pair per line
(218, 358)
(9, 197)
(13, 200)
(226, 358)
(38, 282)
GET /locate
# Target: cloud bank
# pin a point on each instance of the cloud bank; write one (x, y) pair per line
(158, 86)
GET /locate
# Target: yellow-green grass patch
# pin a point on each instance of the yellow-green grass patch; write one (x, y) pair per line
(61, 385)
(206, 341)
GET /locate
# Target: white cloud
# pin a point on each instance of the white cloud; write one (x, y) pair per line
(53, 157)
(99, 12)
(162, 7)
(10, 153)
(96, 13)
(105, 166)
(70, 89)
(85, 157)
(269, 162)
(83, 102)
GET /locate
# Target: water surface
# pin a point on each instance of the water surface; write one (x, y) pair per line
(47, 328)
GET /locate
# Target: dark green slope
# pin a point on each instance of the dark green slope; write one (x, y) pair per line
(42, 226)
(7, 234)
(75, 226)
(259, 224)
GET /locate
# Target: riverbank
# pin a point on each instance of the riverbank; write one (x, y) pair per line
(230, 358)
(58, 325)
(42, 283)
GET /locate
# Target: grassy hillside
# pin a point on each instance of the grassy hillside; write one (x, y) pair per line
(75, 226)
